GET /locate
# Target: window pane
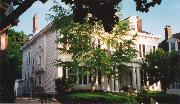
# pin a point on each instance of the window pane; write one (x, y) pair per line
(140, 54)
(85, 79)
(172, 46)
(179, 46)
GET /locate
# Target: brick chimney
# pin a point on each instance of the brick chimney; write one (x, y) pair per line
(139, 24)
(35, 23)
(168, 32)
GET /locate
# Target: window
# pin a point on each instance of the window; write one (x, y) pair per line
(154, 48)
(64, 71)
(33, 64)
(25, 77)
(99, 77)
(140, 54)
(85, 79)
(80, 79)
(39, 80)
(29, 58)
(179, 46)
(39, 59)
(172, 46)
(143, 46)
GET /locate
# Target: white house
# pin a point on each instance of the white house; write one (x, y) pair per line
(40, 53)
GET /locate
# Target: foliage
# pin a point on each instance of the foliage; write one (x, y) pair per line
(164, 98)
(104, 10)
(101, 97)
(160, 97)
(84, 43)
(11, 66)
(161, 66)
(63, 86)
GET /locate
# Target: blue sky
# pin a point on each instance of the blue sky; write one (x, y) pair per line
(154, 21)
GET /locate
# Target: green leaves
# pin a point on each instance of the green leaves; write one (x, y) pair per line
(161, 66)
(90, 47)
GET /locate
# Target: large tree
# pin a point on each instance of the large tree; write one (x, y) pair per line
(161, 66)
(11, 67)
(83, 42)
(104, 10)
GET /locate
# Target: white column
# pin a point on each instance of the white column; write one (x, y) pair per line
(116, 85)
(133, 78)
(169, 47)
(138, 78)
(77, 77)
(116, 82)
(105, 83)
(112, 84)
(102, 82)
(176, 46)
(96, 77)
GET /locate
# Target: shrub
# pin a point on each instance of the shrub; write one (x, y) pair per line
(125, 88)
(164, 98)
(101, 97)
(63, 86)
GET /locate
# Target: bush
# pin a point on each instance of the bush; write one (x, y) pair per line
(125, 88)
(100, 97)
(160, 97)
(63, 86)
(164, 98)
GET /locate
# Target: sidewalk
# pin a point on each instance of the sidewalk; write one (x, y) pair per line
(34, 100)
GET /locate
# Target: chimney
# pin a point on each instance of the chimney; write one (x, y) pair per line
(35, 23)
(168, 32)
(139, 24)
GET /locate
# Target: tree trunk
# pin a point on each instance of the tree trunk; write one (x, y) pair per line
(164, 85)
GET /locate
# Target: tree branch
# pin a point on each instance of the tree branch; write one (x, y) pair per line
(9, 20)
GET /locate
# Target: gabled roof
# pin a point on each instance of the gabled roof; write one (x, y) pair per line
(42, 32)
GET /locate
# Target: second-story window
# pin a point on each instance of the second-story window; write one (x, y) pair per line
(144, 50)
(29, 58)
(39, 59)
(140, 54)
(172, 46)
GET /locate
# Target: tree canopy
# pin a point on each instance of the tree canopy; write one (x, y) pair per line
(91, 48)
(11, 65)
(162, 66)
(104, 10)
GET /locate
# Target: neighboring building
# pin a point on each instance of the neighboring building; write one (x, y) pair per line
(40, 53)
(172, 43)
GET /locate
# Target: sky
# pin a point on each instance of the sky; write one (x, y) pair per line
(168, 13)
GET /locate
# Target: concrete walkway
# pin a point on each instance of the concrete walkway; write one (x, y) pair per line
(34, 100)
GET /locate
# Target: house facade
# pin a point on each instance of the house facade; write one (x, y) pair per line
(40, 53)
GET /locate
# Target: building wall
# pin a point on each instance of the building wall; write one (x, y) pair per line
(42, 52)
